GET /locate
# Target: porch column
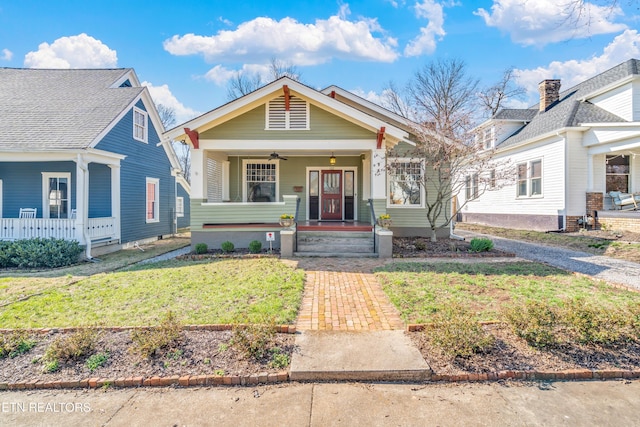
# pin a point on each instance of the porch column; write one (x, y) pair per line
(225, 180)
(198, 175)
(589, 173)
(82, 197)
(379, 174)
(115, 200)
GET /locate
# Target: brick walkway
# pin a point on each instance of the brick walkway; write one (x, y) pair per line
(344, 295)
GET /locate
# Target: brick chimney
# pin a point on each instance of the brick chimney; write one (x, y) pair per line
(549, 93)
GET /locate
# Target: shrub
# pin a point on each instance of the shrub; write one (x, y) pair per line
(457, 333)
(95, 361)
(70, 347)
(149, 342)
(590, 323)
(15, 343)
(254, 339)
(420, 245)
(481, 244)
(201, 248)
(535, 321)
(255, 247)
(39, 253)
(227, 247)
(279, 360)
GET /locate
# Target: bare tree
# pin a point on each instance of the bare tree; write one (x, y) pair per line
(443, 100)
(168, 118)
(167, 115)
(495, 96)
(243, 83)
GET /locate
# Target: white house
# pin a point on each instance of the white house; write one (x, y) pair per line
(567, 154)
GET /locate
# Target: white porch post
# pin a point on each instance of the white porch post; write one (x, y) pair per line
(589, 173)
(198, 176)
(225, 180)
(115, 200)
(379, 174)
(82, 178)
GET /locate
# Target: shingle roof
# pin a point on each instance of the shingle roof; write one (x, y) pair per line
(570, 110)
(59, 109)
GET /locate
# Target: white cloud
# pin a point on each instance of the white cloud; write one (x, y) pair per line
(541, 22)
(81, 51)
(162, 95)
(7, 55)
(425, 43)
(259, 40)
(623, 47)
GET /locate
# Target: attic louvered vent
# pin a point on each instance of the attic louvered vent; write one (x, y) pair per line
(296, 118)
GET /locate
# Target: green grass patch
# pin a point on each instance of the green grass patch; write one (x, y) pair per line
(420, 290)
(197, 292)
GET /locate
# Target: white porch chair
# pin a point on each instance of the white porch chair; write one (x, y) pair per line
(624, 201)
(73, 214)
(28, 212)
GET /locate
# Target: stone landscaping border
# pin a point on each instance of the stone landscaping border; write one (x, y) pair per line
(280, 329)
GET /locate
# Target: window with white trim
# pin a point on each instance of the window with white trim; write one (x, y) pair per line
(471, 186)
(179, 207)
(487, 138)
(140, 124)
(278, 118)
(153, 200)
(529, 177)
(56, 194)
(260, 180)
(404, 183)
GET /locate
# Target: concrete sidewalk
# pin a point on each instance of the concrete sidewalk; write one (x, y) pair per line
(596, 403)
(599, 267)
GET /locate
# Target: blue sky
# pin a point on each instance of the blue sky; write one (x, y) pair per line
(186, 51)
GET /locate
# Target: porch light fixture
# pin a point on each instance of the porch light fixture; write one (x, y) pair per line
(332, 160)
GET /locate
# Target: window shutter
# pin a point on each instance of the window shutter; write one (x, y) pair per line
(297, 113)
(277, 114)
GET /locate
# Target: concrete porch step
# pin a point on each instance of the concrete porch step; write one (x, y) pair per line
(357, 356)
(336, 254)
(330, 243)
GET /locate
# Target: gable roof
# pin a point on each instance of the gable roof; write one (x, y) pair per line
(572, 109)
(45, 109)
(247, 102)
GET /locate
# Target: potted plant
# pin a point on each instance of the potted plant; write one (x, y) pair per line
(286, 220)
(384, 220)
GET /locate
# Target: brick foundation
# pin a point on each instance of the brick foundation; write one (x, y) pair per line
(572, 223)
(619, 223)
(595, 202)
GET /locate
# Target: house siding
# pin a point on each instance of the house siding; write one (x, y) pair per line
(617, 101)
(322, 125)
(22, 176)
(502, 207)
(144, 160)
(184, 220)
(99, 191)
(577, 168)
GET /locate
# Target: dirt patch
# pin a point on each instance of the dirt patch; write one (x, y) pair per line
(511, 353)
(201, 353)
(423, 247)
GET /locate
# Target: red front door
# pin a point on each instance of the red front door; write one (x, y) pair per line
(331, 195)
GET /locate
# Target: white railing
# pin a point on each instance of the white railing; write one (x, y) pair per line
(101, 228)
(28, 228)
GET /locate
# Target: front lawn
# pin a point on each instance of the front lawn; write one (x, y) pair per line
(197, 292)
(419, 290)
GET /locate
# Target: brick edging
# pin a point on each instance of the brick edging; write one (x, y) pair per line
(280, 329)
(567, 374)
(155, 381)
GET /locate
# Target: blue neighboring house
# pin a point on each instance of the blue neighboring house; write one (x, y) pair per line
(81, 159)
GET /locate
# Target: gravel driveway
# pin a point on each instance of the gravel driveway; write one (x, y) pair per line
(600, 267)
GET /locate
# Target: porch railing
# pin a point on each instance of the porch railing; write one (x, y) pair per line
(46, 228)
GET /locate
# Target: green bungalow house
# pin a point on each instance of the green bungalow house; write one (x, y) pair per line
(319, 156)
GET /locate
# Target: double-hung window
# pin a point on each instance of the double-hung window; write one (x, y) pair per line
(471, 186)
(529, 177)
(179, 207)
(153, 200)
(140, 124)
(405, 183)
(260, 180)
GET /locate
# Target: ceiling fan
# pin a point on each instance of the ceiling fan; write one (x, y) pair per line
(276, 156)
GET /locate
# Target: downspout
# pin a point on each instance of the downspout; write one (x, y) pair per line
(85, 213)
